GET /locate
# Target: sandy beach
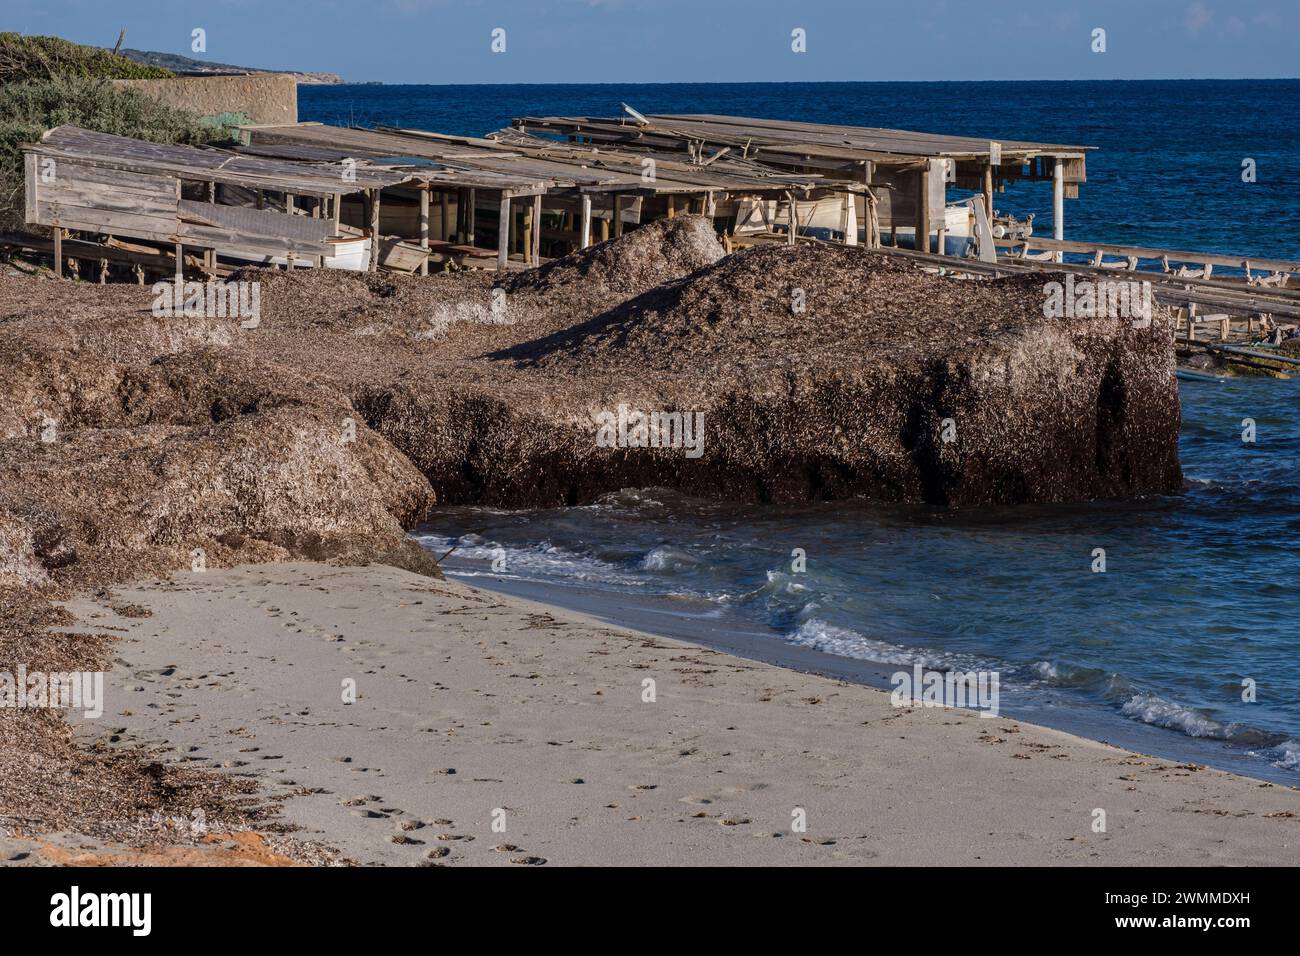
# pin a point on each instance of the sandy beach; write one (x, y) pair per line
(489, 730)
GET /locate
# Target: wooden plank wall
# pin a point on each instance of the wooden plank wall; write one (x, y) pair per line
(81, 196)
(262, 224)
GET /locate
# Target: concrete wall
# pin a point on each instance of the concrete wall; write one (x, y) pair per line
(262, 97)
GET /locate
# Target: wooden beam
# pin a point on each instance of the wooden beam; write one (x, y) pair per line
(988, 191)
(1058, 203)
(58, 252)
(180, 262)
(527, 238)
(793, 219)
(535, 258)
(618, 214)
(503, 233)
(30, 187)
(424, 229)
(470, 214)
(921, 242)
(374, 195)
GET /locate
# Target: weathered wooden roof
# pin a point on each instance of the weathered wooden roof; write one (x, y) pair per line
(218, 165)
(438, 162)
(722, 170)
(787, 138)
(512, 153)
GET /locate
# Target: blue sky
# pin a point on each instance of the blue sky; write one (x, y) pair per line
(554, 41)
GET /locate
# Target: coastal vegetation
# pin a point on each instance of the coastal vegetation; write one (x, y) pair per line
(47, 82)
(24, 58)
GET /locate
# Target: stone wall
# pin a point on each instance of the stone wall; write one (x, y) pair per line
(262, 97)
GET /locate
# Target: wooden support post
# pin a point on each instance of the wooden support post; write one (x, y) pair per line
(793, 218)
(527, 240)
(469, 217)
(1058, 203)
(444, 213)
(604, 229)
(618, 215)
(921, 243)
(672, 207)
(317, 261)
(871, 223)
(180, 262)
(537, 230)
(58, 252)
(424, 229)
(374, 195)
(586, 219)
(103, 271)
(711, 205)
(988, 191)
(336, 210)
(503, 233)
(290, 204)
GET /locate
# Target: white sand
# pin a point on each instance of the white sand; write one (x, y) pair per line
(540, 714)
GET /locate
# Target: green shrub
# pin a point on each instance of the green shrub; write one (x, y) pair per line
(44, 58)
(28, 109)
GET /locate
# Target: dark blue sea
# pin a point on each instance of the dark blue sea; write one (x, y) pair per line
(1201, 591)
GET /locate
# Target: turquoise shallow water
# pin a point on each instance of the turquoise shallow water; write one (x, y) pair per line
(1200, 589)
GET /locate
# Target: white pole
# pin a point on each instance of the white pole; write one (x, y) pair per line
(1058, 203)
(586, 220)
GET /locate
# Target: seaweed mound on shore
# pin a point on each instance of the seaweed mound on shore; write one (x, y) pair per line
(656, 253)
(828, 372)
(205, 456)
(779, 306)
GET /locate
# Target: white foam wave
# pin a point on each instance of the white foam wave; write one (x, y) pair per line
(842, 642)
(667, 558)
(1285, 755)
(539, 562)
(1159, 712)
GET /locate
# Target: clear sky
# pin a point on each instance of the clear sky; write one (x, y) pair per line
(576, 41)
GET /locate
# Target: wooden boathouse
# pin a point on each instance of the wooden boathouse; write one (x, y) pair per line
(305, 194)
